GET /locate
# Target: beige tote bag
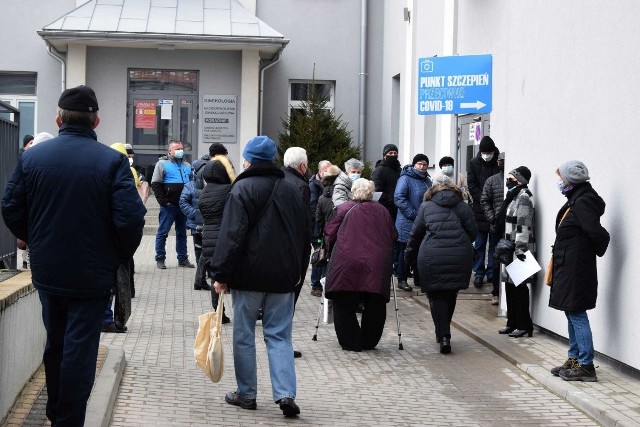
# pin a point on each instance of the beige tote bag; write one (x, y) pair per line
(207, 347)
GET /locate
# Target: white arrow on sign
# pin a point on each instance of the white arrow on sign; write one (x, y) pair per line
(477, 105)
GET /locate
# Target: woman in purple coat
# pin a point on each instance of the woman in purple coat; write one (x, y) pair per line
(362, 234)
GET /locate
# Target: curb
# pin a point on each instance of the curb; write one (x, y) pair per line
(105, 389)
(602, 413)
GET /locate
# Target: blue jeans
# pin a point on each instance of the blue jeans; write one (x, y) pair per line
(277, 325)
(580, 339)
(168, 215)
(70, 354)
(108, 312)
(480, 246)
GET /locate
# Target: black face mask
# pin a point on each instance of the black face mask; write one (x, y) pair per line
(511, 184)
(391, 158)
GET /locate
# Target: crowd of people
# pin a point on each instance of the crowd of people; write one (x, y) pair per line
(253, 234)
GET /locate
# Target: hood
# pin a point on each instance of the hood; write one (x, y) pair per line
(327, 191)
(444, 195)
(410, 171)
(586, 192)
(328, 180)
(119, 146)
(219, 170)
(493, 161)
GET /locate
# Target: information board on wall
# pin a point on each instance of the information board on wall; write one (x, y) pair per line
(219, 119)
(145, 117)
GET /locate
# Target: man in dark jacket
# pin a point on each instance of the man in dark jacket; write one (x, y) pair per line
(170, 175)
(481, 167)
(259, 257)
(71, 194)
(315, 187)
(491, 202)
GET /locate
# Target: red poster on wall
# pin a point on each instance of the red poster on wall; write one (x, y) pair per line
(145, 117)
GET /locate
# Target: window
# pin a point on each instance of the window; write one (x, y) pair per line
(19, 90)
(300, 91)
(170, 80)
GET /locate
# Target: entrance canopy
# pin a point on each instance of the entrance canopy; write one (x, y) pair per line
(165, 25)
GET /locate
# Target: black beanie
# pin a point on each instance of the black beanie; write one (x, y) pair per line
(487, 145)
(419, 158)
(389, 147)
(27, 139)
(217, 148)
(446, 160)
(522, 174)
(80, 98)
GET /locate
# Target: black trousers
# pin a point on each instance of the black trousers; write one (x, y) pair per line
(132, 267)
(518, 307)
(201, 273)
(443, 304)
(351, 335)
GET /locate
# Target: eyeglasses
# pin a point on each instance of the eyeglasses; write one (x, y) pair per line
(422, 164)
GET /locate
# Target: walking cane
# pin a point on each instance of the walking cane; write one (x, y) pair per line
(395, 300)
(315, 336)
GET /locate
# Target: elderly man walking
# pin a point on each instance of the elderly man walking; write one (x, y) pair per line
(71, 194)
(259, 258)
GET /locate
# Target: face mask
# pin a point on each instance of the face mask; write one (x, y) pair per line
(178, 154)
(487, 157)
(447, 170)
(391, 158)
(130, 161)
(511, 184)
(564, 187)
(354, 176)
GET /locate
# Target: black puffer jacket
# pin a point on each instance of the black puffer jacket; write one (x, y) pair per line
(212, 201)
(258, 250)
(325, 210)
(302, 185)
(385, 177)
(579, 238)
(491, 201)
(478, 172)
(441, 239)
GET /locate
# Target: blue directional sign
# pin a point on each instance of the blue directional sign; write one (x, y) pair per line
(455, 84)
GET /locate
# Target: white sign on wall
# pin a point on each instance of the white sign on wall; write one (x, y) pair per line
(219, 119)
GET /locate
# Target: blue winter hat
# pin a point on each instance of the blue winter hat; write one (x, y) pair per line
(259, 148)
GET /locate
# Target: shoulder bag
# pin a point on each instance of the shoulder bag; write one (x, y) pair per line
(548, 275)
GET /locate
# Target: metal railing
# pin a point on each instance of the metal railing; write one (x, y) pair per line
(9, 146)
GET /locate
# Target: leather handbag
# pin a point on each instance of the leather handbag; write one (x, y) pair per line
(504, 251)
(208, 348)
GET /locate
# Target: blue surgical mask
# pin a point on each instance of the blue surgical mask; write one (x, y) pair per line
(178, 154)
(354, 176)
(447, 170)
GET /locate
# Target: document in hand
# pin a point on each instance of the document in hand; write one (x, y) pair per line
(519, 271)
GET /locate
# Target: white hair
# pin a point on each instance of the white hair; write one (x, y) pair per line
(442, 179)
(353, 164)
(362, 189)
(323, 163)
(294, 157)
(41, 137)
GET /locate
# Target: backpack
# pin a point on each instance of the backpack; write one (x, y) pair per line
(198, 174)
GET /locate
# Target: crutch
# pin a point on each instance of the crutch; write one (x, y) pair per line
(315, 336)
(395, 300)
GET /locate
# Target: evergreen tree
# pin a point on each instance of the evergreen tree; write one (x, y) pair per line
(316, 128)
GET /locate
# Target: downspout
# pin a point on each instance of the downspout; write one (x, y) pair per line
(363, 76)
(276, 58)
(58, 57)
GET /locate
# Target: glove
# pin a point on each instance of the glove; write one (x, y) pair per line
(521, 257)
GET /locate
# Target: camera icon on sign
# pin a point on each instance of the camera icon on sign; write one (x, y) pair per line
(426, 66)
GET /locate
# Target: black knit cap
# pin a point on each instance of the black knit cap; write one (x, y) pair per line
(80, 98)
(522, 174)
(419, 158)
(217, 148)
(27, 139)
(389, 147)
(487, 145)
(446, 160)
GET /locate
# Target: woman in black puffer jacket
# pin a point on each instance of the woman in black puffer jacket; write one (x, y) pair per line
(441, 240)
(218, 175)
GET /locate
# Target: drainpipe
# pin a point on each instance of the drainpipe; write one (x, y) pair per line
(363, 76)
(58, 57)
(276, 58)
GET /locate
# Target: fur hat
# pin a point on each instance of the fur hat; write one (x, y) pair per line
(487, 145)
(389, 147)
(574, 172)
(80, 98)
(259, 148)
(522, 174)
(420, 158)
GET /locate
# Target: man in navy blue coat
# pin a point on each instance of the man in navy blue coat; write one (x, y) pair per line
(72, 194)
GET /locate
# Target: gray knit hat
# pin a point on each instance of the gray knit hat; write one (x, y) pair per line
(574, 172)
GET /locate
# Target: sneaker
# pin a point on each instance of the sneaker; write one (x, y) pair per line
(232, 398)
(403, 285)
(288, 407)
(186, 263)
(570, 363)
(585, 373)
(316, 292)
(495, 300)
(160, 264)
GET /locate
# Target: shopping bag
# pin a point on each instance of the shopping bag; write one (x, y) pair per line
(207, 348)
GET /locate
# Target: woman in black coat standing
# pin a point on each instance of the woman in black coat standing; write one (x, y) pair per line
(441, 240)
(218, 175)
(574, 284)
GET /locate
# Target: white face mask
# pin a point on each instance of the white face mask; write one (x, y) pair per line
(130, 161)
(487, 157)
(447, 170)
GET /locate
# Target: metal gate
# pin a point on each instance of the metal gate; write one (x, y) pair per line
(9, 146)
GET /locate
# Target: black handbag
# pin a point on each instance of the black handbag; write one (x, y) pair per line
(504, 251)
(320, 255)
